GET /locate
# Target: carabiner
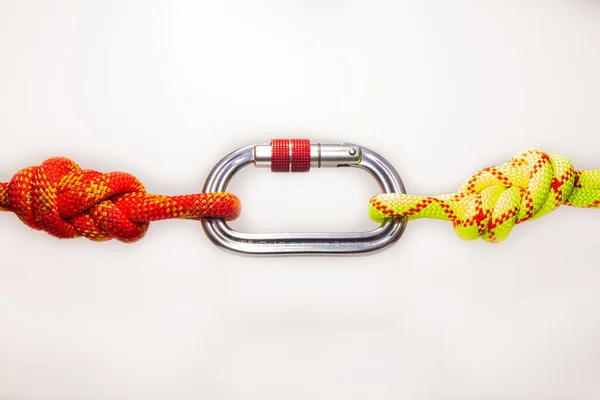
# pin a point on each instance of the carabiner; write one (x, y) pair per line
(298, 155)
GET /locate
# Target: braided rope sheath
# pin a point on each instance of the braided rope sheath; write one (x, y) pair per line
(492, 201)
(67, 202)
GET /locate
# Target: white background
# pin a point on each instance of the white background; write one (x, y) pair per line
(164, 89)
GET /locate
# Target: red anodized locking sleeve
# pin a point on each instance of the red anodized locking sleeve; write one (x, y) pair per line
(290, 155)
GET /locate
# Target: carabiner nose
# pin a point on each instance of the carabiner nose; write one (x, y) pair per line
(299, 155)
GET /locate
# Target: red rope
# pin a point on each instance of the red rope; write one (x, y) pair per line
(67, 202)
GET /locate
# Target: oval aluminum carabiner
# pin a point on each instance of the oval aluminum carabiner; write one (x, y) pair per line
(298, 155)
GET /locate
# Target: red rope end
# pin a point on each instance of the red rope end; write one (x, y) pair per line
(67, 202)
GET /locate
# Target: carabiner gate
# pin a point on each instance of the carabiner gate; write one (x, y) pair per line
(298, 155)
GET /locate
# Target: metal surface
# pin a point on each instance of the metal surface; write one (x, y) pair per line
(330, 155)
